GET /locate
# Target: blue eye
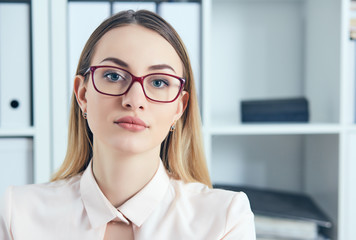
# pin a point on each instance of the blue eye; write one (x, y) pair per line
(158, 83)
(113, 76)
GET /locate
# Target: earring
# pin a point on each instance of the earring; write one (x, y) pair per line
(85, 115)
(173, 127)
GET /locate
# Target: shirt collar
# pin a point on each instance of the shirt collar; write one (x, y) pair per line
(137, 209)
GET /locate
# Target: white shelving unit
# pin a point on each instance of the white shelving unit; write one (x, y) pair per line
(38, 155)
(256, 49)
(42, 94)
(26, 132)
(251, 49)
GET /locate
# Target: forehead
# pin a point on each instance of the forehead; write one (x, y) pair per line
(139, 47)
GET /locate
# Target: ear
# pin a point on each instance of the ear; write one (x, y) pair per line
(182, 105)
(80, 89)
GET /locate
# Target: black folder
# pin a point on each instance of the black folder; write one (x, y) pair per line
(275, 110)
(282, 204)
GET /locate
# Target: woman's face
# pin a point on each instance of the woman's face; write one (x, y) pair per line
(140, 51)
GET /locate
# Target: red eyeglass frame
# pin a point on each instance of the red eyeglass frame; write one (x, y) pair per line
(134, 79)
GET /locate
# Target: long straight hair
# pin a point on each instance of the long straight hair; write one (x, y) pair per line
(182, 150)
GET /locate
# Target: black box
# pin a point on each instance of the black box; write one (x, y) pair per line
(275, 110)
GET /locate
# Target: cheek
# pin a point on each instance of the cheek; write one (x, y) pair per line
(98, 110)
(164, 117)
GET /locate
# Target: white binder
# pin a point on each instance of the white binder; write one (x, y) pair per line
(121, 6)
(351, 96)
(15, 74)
(185, 17)
(16, 162)
(83, 19)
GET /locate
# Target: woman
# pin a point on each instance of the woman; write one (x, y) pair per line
(134, 167)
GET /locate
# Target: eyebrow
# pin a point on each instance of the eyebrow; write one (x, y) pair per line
(124, 64)
(160, 67)
(116, 61)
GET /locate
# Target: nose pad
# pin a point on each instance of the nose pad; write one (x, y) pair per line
(135, 98)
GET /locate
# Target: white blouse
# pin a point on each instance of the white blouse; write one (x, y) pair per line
(164, 209)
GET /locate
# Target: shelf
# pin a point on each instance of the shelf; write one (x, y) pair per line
(273, 51)
(271, 129)
(18, 132)
(351, 128)
(275, 161)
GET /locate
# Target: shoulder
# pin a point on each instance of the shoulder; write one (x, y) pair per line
(32, 195)
(201, 193)
(24, 205)
(29, 209)
(226, 210)
(204, 199)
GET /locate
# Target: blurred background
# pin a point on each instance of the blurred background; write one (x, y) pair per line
(276, 87)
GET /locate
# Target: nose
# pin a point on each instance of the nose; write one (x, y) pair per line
(135, 98)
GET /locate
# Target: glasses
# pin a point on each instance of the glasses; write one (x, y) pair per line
(114, 81)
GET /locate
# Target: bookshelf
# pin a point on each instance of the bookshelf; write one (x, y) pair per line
(25, 130)
(276, 49)
(251, 49)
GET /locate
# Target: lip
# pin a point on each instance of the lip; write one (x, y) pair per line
(131, 123)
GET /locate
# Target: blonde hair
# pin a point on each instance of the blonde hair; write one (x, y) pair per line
(182, 150)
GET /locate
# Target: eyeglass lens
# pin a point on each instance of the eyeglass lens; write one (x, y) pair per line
(114, 81)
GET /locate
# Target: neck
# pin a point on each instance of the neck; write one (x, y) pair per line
(121, 175)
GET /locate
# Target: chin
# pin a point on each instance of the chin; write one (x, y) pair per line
(130, 147)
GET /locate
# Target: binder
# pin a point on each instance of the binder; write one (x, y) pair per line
(275, 110)
(283, 214)
(279, 228)
(83, 19)
(185, 17)
(16, 162)
(351, 96)
(121, 6)
(284, 204)
(15, 74)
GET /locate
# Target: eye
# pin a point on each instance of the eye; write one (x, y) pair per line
(113, 76)
(159, 83)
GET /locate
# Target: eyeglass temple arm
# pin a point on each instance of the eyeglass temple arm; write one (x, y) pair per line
(87, 71)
